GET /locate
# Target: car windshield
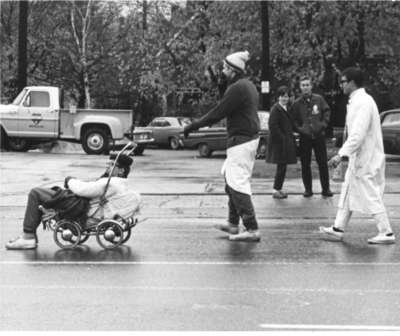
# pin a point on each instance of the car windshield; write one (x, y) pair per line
(19, 98)
(391, 119)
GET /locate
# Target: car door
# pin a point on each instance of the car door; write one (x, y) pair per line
(154, 126)
(391, 132)
(164, 132)
(159, 126)
(9, 114)
(37, 118)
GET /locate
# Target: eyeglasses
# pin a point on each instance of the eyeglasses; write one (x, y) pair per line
(343, 81)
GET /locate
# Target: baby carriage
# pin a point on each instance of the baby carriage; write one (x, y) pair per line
(109, 232)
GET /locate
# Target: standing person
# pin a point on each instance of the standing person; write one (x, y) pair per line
(239, 106)
(364, 183)
(311, 117)
(281, 142)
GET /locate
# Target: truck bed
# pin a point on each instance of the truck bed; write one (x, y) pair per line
(70, 117)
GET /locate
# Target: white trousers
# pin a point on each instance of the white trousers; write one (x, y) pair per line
(344, 214)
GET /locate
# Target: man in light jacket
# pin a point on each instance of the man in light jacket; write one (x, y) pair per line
(239, 107)
(364, 182)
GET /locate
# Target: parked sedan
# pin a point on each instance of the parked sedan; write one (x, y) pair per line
(390, 123)
(166, 130)
(209, 139)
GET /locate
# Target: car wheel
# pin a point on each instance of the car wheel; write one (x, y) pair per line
(18, 144)
(262, 149)
(174, 143)
(397, 145)
(204, 150)
(138, 150)
(3, 139)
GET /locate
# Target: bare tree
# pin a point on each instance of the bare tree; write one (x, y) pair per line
(81, 31)
(22, 41)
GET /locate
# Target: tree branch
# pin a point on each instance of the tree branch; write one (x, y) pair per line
(178, 33)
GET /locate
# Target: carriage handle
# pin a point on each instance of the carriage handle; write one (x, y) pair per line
(134, 145)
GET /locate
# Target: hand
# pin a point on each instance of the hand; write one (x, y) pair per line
(334, 161)
(186, 130)
(66, 180)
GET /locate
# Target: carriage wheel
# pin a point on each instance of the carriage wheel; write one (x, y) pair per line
(109, 234)
(67, 234)
(127, 235)
(84, 237)
(51, 223)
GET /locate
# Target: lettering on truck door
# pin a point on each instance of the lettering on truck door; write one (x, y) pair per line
(37, 117)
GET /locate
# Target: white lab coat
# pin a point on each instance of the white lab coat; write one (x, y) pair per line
(364, 183)
(238, 166)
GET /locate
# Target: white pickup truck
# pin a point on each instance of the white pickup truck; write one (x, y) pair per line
(35, 116)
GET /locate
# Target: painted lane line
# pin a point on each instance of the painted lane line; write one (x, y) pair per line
(200, 263)
(330, 327)
(204, 289)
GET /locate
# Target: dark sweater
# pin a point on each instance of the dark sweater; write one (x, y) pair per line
(311, 115)
(239, 107)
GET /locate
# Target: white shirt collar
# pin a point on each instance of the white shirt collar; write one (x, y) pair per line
(356, 92)
(284, 107)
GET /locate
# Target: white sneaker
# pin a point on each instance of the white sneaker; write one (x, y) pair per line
(20, 243)
(247, 236)
(227, 227)
(331, 232)
(382, 238)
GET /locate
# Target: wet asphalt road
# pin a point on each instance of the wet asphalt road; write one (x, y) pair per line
(178, 273)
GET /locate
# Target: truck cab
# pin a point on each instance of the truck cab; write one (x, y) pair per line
(33, 113)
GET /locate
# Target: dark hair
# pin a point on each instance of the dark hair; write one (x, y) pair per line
(125, 174)
(126, 169)
(354, 74)
(282, 90)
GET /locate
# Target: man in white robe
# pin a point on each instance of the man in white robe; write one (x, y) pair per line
(364, 183)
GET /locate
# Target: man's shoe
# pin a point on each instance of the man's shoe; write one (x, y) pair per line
(327, 193)
(279, 194)
(383, 238)
(246, 236)
(331, 231)
(228, 227)
(308, 193)
(20, 243)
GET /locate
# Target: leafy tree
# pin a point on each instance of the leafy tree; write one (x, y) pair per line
(162, 57)
(8, 39)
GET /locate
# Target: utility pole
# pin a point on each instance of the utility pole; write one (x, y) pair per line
(22, 38)
(144, 18)
(265, 67)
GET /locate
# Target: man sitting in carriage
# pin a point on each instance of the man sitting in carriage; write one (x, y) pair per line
(108, 197)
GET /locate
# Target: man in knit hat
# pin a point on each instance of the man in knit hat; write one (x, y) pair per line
(239, 106)
(120, 200)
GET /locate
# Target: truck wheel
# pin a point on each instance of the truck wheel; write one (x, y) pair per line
(174, 143)
(95, 141)
(3, 139)
(138, 150)
(204, 150)
(18, 144)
